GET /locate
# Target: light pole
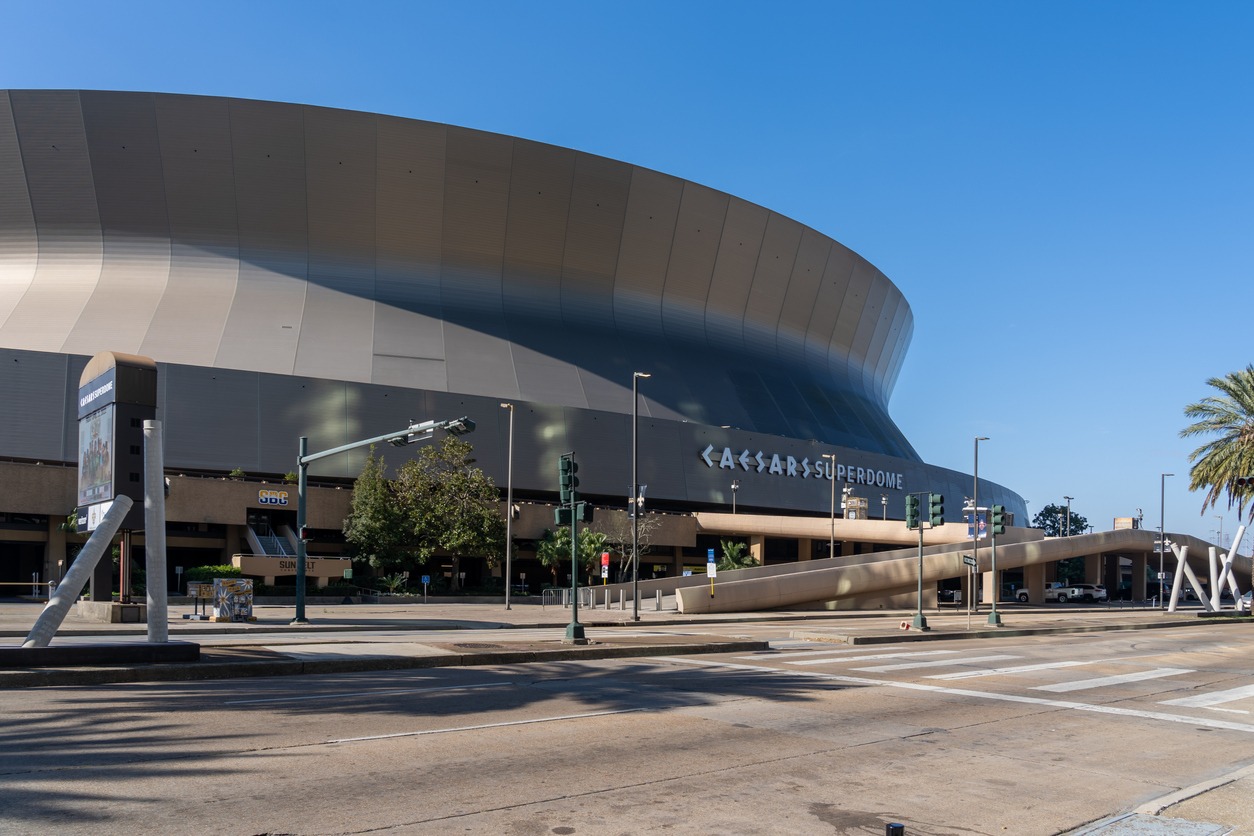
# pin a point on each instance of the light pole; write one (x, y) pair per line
(1162, 534)
(975, 518)
(1068, 498)
(635, 494)
(831, 474)
(410, 435)
(735, 486)
(883, 507)
(1220, 537)
(509, 504)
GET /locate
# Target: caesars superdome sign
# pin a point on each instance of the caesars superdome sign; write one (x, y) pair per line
(789, 466)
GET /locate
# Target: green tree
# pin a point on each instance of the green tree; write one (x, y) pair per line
(735, 556)
(450, 504)
(1052, 519)
(376, 524)
(553, 549)
(1217, 464)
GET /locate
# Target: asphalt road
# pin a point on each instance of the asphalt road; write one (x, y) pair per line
(1026, 735)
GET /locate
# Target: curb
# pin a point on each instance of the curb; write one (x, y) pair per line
(206, 670)
(998, 633)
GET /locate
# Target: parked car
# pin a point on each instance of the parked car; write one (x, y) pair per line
(1087, 592)
(1243, 603)
(1054, 591)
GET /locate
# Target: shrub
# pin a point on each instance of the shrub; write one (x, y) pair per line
(208, 573)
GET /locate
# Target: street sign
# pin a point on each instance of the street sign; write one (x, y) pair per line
(968, 559)
(426, 579)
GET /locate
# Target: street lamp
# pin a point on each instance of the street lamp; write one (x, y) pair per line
(1162, 534)
(831, 474)
(975, 517)
(509, 505)
(735, 486)
(635, 494)
(884, 507)
(410, 435)
(1068, 498)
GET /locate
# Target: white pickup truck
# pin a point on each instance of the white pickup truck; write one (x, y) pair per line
(1054, 591)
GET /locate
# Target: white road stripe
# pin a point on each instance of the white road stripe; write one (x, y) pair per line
(961, 692)
(1044, 666)
(1103, 681)
(487, 725)
(1213, 698)
(873, 658)
(368, 693)
(905, 666)
(782, 653)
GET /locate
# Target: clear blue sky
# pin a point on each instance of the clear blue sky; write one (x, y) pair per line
(1063, 190)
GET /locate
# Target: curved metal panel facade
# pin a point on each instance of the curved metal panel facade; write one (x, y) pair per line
(295, 240)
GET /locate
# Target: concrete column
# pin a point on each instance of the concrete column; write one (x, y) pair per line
(805, 548)
(1113, 573)
(1034, 579)
(1138, 576)
(55, 563)
(234, 534)
(989, 582)
(757, 549)
(1093, 568)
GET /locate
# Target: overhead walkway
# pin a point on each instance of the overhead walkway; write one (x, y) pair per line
(893, 573)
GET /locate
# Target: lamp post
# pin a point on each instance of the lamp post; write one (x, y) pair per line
(831, 474)
(1068, 498)
(1220, 537)
(735, 486)
(410, 435)
(883, 507)
(635, 494)
(509, 505)
(1162, 534)
(975, 517)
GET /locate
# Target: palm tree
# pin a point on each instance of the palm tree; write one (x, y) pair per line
(735, 556)
(1219, 463)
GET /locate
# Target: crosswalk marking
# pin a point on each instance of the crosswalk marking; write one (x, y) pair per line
(1112, 710)
(829, 659)
(1017, 669)
(1102, 681)
(905, 666)
(1213, 698)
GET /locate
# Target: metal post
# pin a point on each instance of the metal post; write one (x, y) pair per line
(1068, 498)
(975, 526)
(509, 505)
(831, 474)
(994, 618)
(635, 495)
(920, 622)
(735, 486)
(1162, 533)
(154, 534)
(302, 488)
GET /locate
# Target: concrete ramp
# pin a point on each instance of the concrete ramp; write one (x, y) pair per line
(895, 572)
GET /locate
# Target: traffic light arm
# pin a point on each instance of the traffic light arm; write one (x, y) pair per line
(424, 430)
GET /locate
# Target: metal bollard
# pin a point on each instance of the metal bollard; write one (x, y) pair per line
(894, 829)
(658, 606)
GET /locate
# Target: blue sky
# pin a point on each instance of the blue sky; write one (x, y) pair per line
(1063, 190)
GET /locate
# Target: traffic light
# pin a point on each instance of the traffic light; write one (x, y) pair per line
(936, 508)
(567, 481)
(999, 519)
(583, 512)
(912, 511)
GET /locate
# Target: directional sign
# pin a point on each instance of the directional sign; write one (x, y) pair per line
(968, 559)
(710, 564)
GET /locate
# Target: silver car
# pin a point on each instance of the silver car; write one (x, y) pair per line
(1087, 592)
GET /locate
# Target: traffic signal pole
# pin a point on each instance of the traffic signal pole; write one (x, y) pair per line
(913, 501)
(567, 482)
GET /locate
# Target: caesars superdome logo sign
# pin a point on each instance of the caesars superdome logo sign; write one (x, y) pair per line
(788, 466)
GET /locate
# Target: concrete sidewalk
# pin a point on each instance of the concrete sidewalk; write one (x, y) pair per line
(494, 635)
